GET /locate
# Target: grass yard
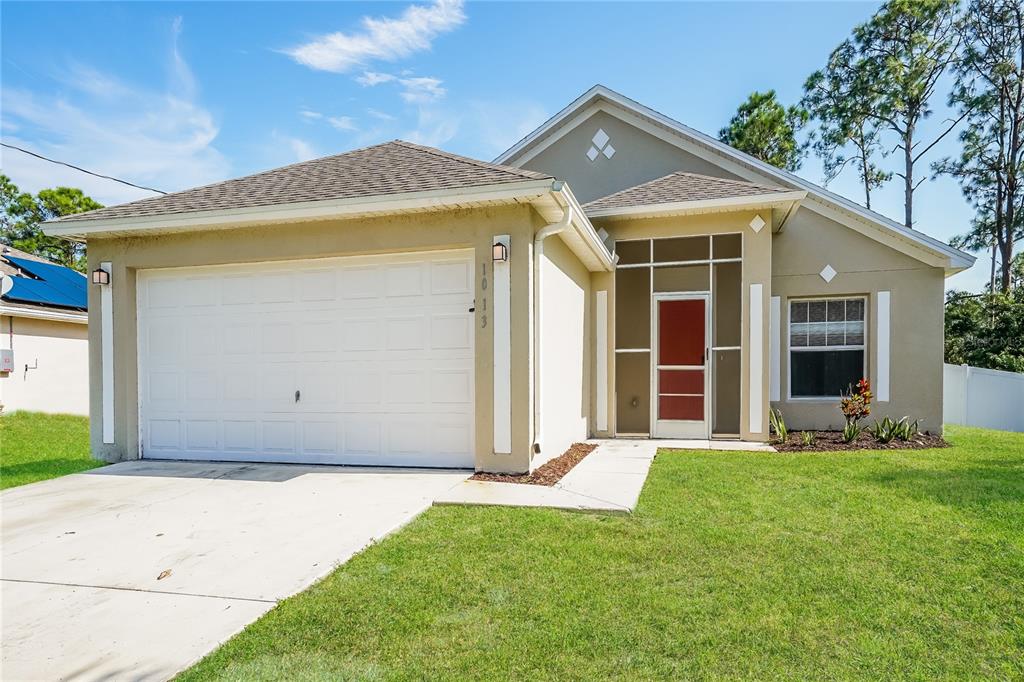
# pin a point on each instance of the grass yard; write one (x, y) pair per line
(36, 446)
(905, 564)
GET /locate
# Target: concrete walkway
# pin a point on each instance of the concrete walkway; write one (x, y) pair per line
(82, 557)
(608, 480)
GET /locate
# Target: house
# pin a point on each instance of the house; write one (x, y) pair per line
(615, 273)
(44, 349)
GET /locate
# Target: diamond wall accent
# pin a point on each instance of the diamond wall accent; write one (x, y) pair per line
(757, 223)
(600, 146)
(828, 273)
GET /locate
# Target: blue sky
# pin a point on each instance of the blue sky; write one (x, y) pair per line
(173, 95)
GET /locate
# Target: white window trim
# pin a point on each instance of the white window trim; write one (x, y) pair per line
(809, 349)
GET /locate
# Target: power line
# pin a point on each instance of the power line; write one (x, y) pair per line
(78, 168)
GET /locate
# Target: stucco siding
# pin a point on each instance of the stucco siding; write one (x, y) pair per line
(57, 354)
(565, 345)
(639, 157)
(864, 267)
(428, 231)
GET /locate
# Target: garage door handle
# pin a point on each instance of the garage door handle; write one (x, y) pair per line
(298, 394)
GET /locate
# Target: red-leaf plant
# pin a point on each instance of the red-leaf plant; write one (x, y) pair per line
(856, 403)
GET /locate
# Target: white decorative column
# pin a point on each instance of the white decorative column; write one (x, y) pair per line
(882, 324)
(107, 352)
(755, 406)
(601, 360)
(502, 326)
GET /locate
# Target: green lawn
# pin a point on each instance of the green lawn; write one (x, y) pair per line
(36, 446)
(825, 565)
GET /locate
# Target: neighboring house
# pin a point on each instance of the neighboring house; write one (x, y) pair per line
(401, 305)
(44, 346)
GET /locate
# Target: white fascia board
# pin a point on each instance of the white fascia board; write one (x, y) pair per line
(777, 199)
(309, 210)
(955, 260)
(43, 314)
(585, 229)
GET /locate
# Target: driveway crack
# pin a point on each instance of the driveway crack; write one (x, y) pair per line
(136, 589)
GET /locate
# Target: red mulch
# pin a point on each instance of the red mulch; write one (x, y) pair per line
(547, 474)
(826, 441)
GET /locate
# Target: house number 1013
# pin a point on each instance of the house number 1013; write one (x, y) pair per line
(483, 299)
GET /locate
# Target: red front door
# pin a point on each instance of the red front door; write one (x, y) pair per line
(680, 372)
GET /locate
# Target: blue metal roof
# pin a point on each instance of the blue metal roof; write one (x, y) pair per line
(56, 285)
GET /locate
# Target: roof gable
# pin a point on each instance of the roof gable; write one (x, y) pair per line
(732, 161)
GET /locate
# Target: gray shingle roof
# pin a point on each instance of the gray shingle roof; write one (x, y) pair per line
(390, 168)
(680, 186)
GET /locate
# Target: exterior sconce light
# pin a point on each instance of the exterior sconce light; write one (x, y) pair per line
(101, 277)
(499, 252)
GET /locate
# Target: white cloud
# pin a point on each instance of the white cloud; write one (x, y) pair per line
(157, 137)
(421, 89)
(434, 127)
(371, 78)
(310, 115)
(379, 115)
(381, 38)
(287, 149)
(343, 123)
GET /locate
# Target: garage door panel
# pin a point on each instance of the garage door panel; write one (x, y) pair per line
(381, 350)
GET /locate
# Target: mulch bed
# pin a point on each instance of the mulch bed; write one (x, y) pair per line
(826, 441)
(547, 474)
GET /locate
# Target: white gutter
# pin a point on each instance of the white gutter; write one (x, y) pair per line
(538, 254)
(44, 314)
(298, 211)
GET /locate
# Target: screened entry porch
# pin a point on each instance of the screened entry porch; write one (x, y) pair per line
(678, 337)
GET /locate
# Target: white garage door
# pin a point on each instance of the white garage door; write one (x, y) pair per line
(365, 360)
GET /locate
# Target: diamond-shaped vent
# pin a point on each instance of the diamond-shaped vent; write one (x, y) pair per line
(828, 273)
(600, 146)
(757, 223)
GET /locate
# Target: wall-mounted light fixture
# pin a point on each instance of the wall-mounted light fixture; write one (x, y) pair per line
(100, 276)
(499, 252)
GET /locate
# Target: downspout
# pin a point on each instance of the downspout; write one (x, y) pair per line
(538, 254)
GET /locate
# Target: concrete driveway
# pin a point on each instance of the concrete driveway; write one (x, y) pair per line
(83, 555)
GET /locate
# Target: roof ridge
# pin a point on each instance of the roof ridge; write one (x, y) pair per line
(533, 175)
(75, 216)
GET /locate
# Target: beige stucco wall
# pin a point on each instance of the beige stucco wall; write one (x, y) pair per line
(808, 243)
(566, 348)
(757, 257)
(426, 231)
(639, 157)
(58, 353)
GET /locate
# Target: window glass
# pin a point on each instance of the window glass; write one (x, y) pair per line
(826, 340)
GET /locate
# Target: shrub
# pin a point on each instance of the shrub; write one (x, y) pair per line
(885, 430)
(906, 430)
(856, 403)
(807, 438)
(851, 431)
(778, 424)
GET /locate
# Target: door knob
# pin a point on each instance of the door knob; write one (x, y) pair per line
(298, 394)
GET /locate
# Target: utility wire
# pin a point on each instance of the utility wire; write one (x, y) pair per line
(78, 168)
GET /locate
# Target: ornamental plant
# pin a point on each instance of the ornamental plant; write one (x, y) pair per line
(856, 403)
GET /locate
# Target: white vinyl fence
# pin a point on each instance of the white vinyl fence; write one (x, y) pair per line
(983, 397)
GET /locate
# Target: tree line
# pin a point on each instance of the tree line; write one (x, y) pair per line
(21, 214)
(864, 110)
